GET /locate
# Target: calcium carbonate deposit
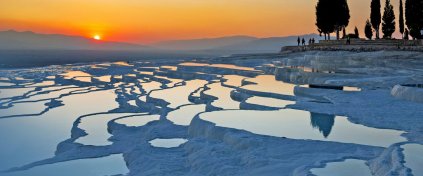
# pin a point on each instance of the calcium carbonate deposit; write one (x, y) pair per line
(311, 113)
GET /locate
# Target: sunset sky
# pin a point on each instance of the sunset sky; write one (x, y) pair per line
(146, 21)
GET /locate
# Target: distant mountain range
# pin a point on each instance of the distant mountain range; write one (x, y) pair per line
(29, 49)
(233, 44)
(13, 40)
(203, 44)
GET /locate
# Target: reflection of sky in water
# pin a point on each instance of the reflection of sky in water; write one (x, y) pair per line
(198, 92)
(178, 96)
(224, 96)
(106, 78)
(24, 108)
(36, 137)
(172, 80)
(131, 75)
(110, 165)
(349, 167)
(140, 120)
(72, 74)
(184, 115)
(77, 75)
(193, 64)
(121, 63)
(6, 84)
(83, 79)
(235, 67)
(96, 127)
(351, 89)
(7, 93)
(229, 66)
(268, 83)
(167, 67)
(167, 143)
(271, 102)
(146, 73)
(298, 124)
(132, 102)
(149, 86)
(44, 83)
(413, 155)
(55, 92)
(234, 80)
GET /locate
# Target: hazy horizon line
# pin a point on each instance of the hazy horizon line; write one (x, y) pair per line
(157, 42)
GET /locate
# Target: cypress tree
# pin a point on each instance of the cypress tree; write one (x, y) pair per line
(324, 17)
(414, 17)
(388, 24)
(344, 33)
(375, 16)
(406, 34)
(401, 18)
(331, 16)
(357, 34)
(340, 15)
(368, 30)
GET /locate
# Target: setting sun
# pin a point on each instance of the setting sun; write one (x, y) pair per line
(97, 37)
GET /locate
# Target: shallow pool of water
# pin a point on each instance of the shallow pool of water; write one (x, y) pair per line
(268, 83)
(233, 80)
(413, 156)
(223, 95)
(349, 167)
(185, 114)
(270, 102)
(8, 93)
(299, 124)
(110, 165)
(178, 96)
(96, 127)
(32, 138)
(139, 120)
(168, 143)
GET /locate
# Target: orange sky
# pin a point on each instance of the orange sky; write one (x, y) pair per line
(146, 21)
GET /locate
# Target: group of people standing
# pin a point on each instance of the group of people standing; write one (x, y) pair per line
(303, 41)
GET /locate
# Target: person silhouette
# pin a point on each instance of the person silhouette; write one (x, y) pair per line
(313, 41)
(303, 42)
(309, 41)
(298, 40)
